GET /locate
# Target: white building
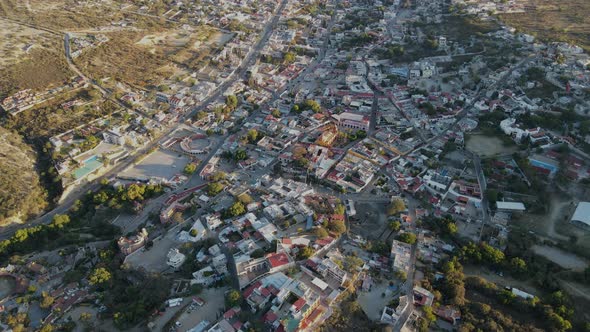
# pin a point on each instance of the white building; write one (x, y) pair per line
(348, 121)
(175, 258)
(582, 214)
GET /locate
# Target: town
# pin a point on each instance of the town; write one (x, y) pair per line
(281, 165)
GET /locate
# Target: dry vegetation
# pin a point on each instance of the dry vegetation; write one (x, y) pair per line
(142, 58)
(58, 15)
(40, 123)
(563, 20)
(14, 38)
(41, 70)
(72, 15)
(122, 59)
(21, 195)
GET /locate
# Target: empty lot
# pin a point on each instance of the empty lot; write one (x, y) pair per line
(161, 164)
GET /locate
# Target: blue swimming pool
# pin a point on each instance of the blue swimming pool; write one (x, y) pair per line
(88, 166)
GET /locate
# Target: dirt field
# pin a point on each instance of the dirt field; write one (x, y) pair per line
(488, 146)
(16, 41)
(162, 164)
(564, 20)
(40, 70)
(545, 225)
(121, 58)
(561, 258)
(63, 14)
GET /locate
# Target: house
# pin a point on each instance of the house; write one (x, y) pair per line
(194, 234)
(422, 297)
(449, 314)
(175, 258)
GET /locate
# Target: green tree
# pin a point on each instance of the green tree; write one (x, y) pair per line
(135, 192)
(428, 314)
(339, 209)
(237, 209)
(231, 102)
(99, 276)
(409, 238)
(352, 263)
(492, 195)
(257, 253)
(321, 233)
(100, 197)
(559, 322)
(190, 168)
(395, 226)
(337, 226)
(47, 328)
(59, 221)
(218, 176)
(46, 300)
(240, 155)
(289, 57)
(396, 206)
(252, 135)
(276, 113)
(177, 217)
(451, 228)
(85, 316)
(491, 254)
(518, 265)
(233, 299)
(214, 188)
(305, 253)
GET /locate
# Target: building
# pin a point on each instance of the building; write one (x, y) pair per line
(422, 296)
(522, 294)
(449, 314)
(391, 315)
(175, 258)
(510, 206)
(131, 244)
(328, 136)
(352, 121)
(401, 254)
(328, 269)
(114, 136)
(582, 214)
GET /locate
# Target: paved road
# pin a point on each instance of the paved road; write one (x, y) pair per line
(481, 180)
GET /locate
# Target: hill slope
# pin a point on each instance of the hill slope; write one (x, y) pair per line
(20, 192)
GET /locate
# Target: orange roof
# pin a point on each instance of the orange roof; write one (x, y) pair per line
(277, 260)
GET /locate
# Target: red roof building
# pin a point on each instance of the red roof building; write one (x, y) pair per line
(278, 260)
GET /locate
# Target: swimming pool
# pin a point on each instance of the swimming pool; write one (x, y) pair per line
(88, 166)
